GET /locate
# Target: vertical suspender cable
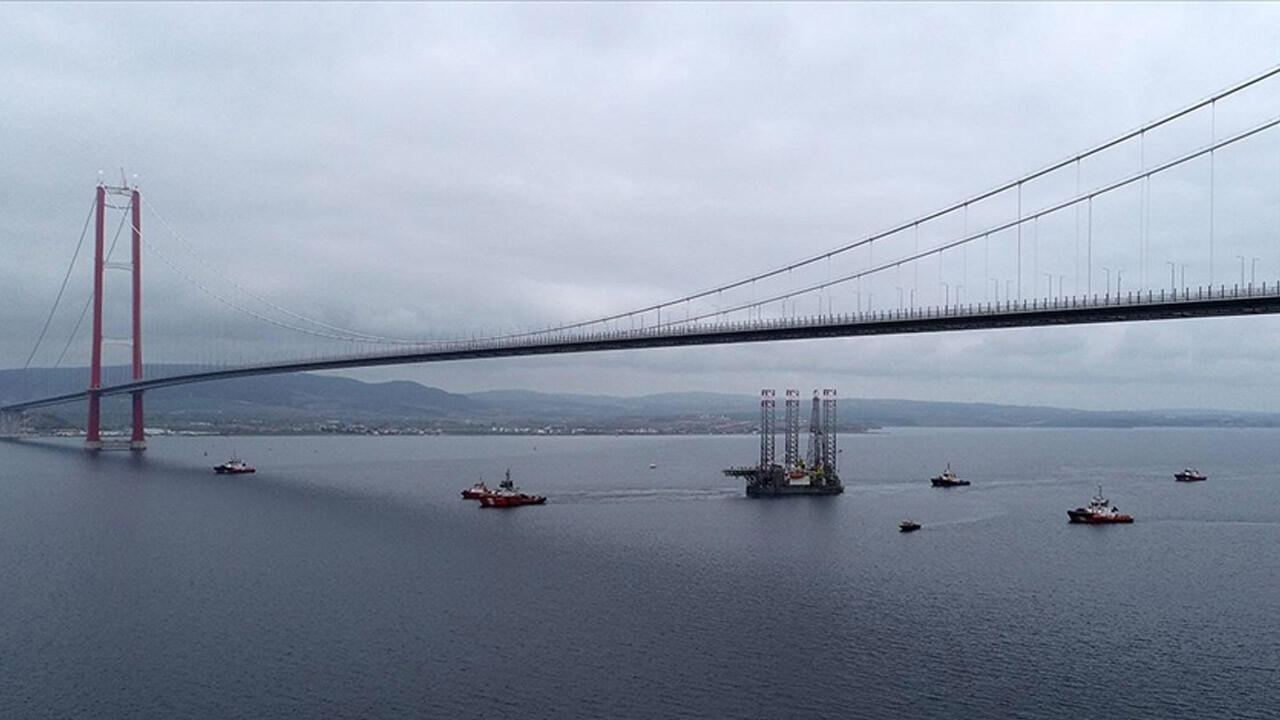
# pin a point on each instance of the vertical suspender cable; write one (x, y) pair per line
(1019, 241)
(1213, 132)
(1089, 252)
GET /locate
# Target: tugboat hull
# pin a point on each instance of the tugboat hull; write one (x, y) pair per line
(494, 500)
(1087, 518)
(233, 467)
(507, 495)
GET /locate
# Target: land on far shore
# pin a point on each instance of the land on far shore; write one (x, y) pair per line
(319, 404)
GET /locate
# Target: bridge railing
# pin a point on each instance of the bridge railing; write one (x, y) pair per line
(676, 329)
(1131, 298)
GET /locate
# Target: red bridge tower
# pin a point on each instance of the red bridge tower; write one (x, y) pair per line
(93, 436)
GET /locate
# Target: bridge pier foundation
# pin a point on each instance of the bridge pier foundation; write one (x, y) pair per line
(10, 423)
(138, 441)
(93, 428)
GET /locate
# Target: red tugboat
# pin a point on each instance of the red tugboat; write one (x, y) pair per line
(475, 492)
(1100, 511)
(1190, 475)
(234, 466)
(508, 495)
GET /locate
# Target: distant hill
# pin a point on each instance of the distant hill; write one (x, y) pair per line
(322, 403)
(269, 400)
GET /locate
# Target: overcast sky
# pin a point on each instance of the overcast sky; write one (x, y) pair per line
(443, 170)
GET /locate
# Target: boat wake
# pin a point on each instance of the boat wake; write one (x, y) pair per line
(628, 495)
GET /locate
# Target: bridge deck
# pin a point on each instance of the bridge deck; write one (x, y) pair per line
(1149, 305)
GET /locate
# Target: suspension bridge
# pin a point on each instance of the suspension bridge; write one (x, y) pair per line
(1189, 193)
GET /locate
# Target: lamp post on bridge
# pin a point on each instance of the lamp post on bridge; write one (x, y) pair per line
(1172, 267)
(995, 282)
(1061, 279)
(1107, 284)
(946, 293)
(1119, 274)
(1253, 270)
(1050, 276)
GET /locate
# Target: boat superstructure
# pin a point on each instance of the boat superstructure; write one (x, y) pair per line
(475, 491)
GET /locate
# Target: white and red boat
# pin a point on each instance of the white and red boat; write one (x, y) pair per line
(234, 466)
(508, 495)
(475, 492)
(1190, 475)
(1099, 511)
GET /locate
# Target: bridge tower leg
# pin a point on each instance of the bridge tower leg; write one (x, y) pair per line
(138, 440)
(93, 438)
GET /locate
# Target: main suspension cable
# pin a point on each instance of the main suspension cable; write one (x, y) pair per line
(938, 249)
(256, 315)
(354, 335)
(89, 301)
(1012, 184)
(65, 278)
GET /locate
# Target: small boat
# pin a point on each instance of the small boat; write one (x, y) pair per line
(508, 495)
(475, 491)
(1190, 475)
(908, 526)
(653, 466)
(234, 466)
(948, 479)
(1099, 511)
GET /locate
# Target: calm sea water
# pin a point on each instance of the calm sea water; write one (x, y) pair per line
(347, 579)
